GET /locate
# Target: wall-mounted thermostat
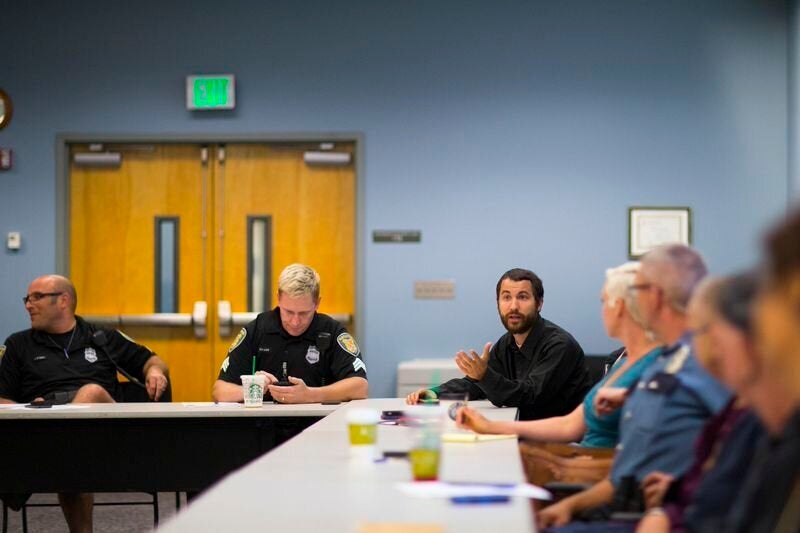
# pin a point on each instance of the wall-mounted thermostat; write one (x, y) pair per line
(13, 240)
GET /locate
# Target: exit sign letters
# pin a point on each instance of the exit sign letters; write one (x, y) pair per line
(211, 91)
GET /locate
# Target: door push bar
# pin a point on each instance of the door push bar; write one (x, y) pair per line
(228, 319)
(196, 320)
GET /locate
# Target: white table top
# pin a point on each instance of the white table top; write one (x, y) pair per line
(162, 410)
(312, 483)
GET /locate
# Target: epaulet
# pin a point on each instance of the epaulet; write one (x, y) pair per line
(677, 360)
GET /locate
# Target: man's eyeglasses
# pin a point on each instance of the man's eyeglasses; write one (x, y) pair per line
(641, 287)
(36, 296)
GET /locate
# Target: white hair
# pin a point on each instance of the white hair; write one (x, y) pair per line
(677, 269)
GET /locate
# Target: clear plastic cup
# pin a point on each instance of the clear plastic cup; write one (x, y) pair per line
(427, 422)
(253, 389)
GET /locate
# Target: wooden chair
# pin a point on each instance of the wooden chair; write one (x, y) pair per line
(564, 468)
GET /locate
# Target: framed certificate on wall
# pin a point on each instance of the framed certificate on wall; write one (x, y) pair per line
(649, 227)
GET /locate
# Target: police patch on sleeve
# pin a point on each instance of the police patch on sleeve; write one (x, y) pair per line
(2, 350)
(348, 343)
(238, 340)
(225, 364)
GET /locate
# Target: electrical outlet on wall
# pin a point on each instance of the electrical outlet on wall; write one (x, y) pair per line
(435, 289)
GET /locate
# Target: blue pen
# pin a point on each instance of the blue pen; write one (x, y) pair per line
(471, 500)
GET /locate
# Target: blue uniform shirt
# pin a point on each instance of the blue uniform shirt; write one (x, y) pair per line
(664, 415)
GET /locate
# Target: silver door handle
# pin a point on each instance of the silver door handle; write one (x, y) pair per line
(228, 319)
(196, 319)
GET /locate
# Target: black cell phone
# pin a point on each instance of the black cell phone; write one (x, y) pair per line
(284, 383)
(391, 415)
(396, 454)
(41, 404)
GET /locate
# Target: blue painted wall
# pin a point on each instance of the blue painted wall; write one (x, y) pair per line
(512, 133)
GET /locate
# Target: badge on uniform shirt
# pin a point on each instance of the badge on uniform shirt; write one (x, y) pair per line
(90, 355)
(238, 340)
(312, 355)
(2, 350)
(348, 343)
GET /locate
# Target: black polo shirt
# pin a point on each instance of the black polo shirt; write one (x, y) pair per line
(35, 365)
(546, 377)
(306, 356)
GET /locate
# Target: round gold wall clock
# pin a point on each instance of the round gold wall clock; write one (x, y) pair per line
(6, 109)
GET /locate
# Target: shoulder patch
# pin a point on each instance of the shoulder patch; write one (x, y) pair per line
(225, 364)
(348, 343)
(2, 350)
(238, 340)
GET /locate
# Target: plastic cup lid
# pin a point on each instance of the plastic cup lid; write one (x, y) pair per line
(362, 415)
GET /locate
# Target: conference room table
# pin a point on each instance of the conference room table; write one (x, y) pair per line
(313, 482)
(145, 447)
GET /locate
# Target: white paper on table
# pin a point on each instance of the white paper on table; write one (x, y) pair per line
(51, 408)
(439, 489)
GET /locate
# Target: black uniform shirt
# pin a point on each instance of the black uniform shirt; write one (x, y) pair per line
(546, 377)
(306, 356)
(35, 365)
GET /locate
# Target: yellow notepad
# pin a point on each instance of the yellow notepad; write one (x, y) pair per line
(473, 437)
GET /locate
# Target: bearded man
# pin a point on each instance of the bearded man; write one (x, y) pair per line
(536, 366)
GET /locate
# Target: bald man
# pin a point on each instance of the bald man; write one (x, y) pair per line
(63, 359)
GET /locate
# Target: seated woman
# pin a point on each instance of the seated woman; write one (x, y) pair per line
(719, 315)
(622, 320)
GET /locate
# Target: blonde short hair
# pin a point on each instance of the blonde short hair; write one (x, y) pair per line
(619, 281)
(299, 280)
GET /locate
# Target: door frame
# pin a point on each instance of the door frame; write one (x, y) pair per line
(62, 196)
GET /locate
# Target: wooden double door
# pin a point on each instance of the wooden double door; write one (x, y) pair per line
(178, 244)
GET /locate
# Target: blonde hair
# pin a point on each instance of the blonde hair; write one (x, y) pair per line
(619, 280)
(298, 280)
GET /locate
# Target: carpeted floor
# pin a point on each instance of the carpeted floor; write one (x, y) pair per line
(107, 519)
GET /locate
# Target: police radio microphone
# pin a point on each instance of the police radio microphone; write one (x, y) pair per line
(284, 382)
(99, 341)
(323, 341)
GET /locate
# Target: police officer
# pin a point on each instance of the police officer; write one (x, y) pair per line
(305, 356)
(63, 359)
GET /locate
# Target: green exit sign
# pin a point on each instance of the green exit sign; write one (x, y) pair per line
(213, 91)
